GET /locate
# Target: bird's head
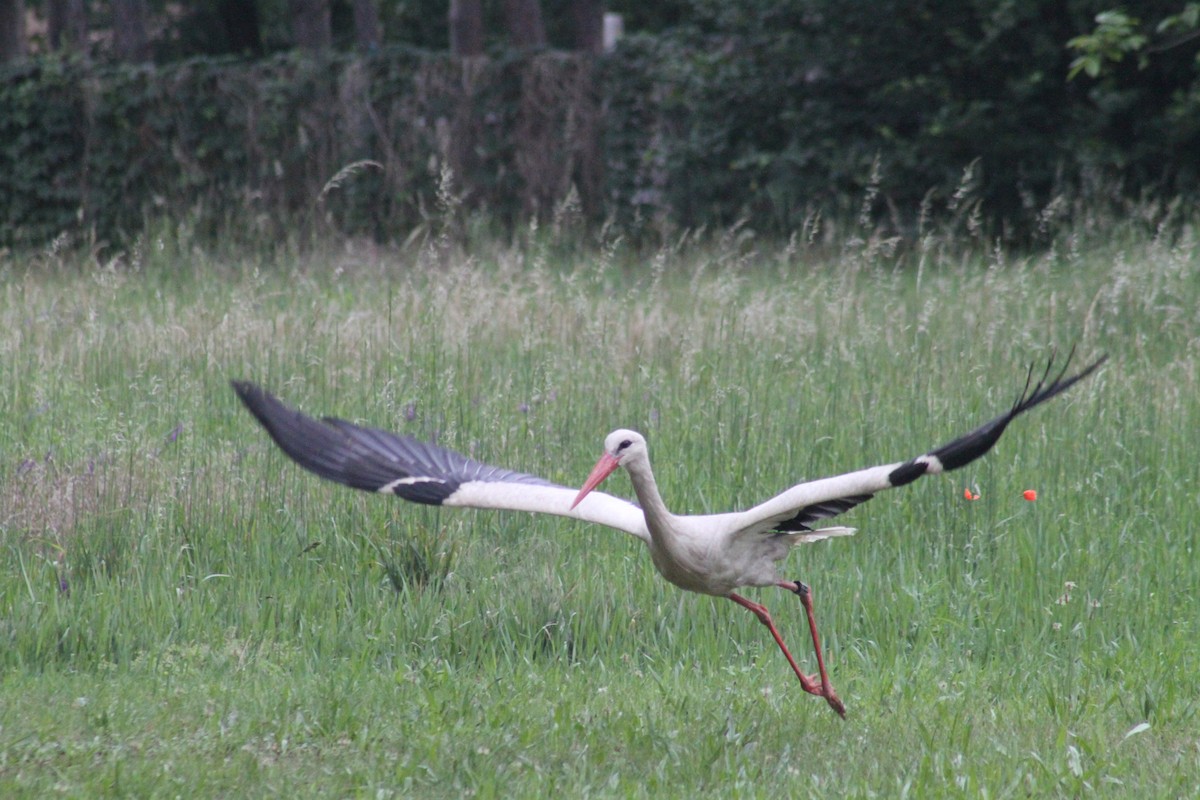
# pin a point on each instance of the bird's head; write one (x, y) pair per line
(620, 447)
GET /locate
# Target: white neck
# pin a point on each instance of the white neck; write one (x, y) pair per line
(658, 518)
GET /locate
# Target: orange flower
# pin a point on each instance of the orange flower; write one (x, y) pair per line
(1030, 494)
(969, 495)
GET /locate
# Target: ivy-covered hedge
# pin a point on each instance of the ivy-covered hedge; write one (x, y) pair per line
(240, 143)
(763, 110)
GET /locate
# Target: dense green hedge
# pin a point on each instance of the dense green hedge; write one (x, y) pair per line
(760, 111)
(255, 143)
(818, 103)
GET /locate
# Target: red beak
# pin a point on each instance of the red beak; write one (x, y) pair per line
(606, 466)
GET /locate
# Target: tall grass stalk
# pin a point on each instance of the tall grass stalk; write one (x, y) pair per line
(184, 611)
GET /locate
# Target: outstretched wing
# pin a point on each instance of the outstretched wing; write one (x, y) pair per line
(378, 461)
(793, 510)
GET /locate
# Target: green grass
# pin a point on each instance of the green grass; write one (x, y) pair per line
(186, 613)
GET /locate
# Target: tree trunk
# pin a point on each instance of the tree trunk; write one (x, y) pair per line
(367, 32)
(523, 19)
(312, 28)
(588, 17)
(67, 25)
(129, 30)
(466, 27)
(240, 20)
(12, 30)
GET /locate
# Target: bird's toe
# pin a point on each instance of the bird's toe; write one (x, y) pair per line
(835, 702)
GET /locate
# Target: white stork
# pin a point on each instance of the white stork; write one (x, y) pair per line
(712, 554)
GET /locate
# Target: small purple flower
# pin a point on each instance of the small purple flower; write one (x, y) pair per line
(174, 434)
(410, 412)
(63, 586)
(523, 408)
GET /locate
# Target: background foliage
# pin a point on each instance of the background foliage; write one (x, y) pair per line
(764, 111)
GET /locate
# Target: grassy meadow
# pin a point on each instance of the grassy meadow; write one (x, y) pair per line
(184, 612)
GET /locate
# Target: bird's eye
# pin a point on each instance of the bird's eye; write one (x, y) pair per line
(624, 445)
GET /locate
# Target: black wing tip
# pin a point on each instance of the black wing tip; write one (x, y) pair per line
(254, 398)
(345, 453)
(965, 449)
(1042, 391)
(310, 443)
(268, 409)
(245, 388)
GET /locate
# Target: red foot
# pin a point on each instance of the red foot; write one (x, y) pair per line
(835, 702)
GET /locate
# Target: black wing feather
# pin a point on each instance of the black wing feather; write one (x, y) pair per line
(965, 449)
(368, 458)
(818, 511)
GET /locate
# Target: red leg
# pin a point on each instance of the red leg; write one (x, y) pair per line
(807, 683)
(806, 599)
